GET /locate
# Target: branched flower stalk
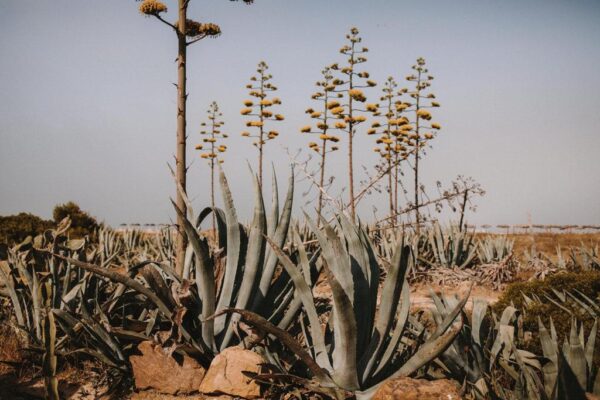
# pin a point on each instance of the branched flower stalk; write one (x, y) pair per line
(323, 118)
(418, 138)
(260, 111)
(392, 132)
(188, 32)
(350, 85)
(213, 150)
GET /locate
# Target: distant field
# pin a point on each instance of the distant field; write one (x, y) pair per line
(547, 243)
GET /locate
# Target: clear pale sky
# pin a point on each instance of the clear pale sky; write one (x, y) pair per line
(87, 105)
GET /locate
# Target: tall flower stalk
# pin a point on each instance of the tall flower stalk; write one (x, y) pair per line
(390, 143)
(188, 32)
(323, 118)
(259, 110)
(350, 84)
(212, 150)
(424, 130)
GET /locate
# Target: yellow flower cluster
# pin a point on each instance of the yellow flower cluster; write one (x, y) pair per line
(424, 114)
(372, 107)
(334, 139)
(333, 104)
(357, 95)
(337, 110)
(152, 7)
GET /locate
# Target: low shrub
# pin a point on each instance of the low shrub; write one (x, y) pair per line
(587, 283)
(15, 228)
(82, 223)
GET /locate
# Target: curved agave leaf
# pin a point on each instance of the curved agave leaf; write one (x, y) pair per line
(550, 350)
(398, 331)
(344, 320)
(480, 307)
(205, 279)
(234, 244)
(117, 277)
(49, 366)
(389, 307)
(576, 356)
(254, 259)
(431, 348)
(274, 217)
(344, 353)
(364, 271)
(306, 266)
(305, 295)
(590, 346)
(567, 385)
(506, 334)
(8, 281)
(279, 237)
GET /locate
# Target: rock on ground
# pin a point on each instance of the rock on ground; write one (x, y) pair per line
(418, 389)
(165, 373)
(225, 374)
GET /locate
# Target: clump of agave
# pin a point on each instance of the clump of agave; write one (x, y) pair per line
(488, 357)
(359, 347)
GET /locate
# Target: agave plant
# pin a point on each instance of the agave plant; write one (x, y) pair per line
(492, 249)
(578, 353)
(49, 301)
(451, 247)
(486, 354)
(151, 297)
(360, 347)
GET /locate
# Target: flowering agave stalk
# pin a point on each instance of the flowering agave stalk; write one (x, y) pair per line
(188, 32)
(350, 86)
(212, 129)
(260, 110)
(323, 118)
(391, 146)
(418, 139)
